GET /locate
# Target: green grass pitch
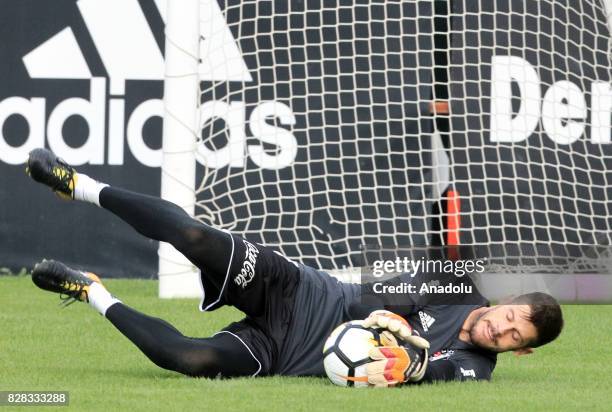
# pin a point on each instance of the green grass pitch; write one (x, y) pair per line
(44, 347)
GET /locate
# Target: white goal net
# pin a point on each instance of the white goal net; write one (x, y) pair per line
(319, 127)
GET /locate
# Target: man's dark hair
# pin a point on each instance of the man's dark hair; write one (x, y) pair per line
(545, 315)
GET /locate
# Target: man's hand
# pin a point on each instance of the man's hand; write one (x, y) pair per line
(394, 365)
(397, 361)
(389, 321)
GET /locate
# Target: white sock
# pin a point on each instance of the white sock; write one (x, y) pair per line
(88, 189)
(100, 299)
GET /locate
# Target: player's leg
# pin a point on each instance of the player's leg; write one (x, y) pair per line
(206, 247)
(257, 272)
(221, 355)
(152, 217)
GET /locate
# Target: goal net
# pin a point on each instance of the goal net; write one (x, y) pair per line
(319, 127)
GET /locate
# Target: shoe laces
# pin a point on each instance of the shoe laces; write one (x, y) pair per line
(71, 296)
(63, 174)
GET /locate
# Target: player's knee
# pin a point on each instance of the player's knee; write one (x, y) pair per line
(201, 362)
(195, 236)
(184, 357)
(165, 358)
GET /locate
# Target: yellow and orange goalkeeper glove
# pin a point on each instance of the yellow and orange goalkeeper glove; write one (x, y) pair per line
(397, 361)
(383, 319)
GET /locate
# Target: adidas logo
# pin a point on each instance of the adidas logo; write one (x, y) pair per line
(426, 320)
(128, 50)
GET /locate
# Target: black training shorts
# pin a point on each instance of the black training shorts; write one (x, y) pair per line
(290, 308)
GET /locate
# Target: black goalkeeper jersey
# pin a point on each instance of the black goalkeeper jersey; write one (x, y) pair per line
(321, 303)
(439, 320)
(450, 358)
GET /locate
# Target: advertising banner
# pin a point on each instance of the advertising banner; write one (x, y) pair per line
(531, 99)
(343, 85)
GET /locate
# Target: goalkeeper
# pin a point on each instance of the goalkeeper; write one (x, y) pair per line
(290, 308)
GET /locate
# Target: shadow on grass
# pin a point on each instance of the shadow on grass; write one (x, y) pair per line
(164, 375)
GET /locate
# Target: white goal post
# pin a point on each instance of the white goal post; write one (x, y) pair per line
(320, 127)
(177, 276)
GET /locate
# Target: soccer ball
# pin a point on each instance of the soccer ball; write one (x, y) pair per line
(345, 353)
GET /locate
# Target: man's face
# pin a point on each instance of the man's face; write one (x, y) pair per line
(502, 328)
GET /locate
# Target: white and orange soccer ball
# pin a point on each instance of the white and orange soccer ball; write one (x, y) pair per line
(345, 353)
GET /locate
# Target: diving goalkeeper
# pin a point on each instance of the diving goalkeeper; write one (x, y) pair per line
(290, 308)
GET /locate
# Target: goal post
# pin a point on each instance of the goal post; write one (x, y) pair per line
(177, 276)
(321, 127)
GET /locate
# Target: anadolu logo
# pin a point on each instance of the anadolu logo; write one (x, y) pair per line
(129, 51)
